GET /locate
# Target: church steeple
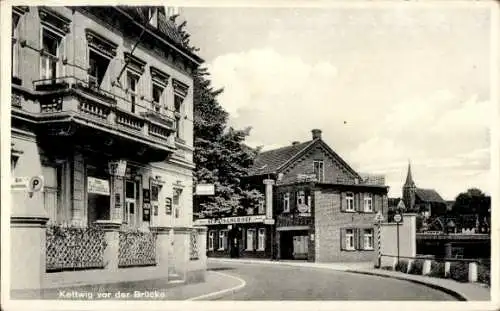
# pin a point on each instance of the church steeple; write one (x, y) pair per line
(409, 179)
(409, 189)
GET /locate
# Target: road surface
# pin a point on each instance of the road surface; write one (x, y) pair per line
(276, 282)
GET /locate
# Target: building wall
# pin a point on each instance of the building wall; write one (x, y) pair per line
(329, 220)
(333, 170)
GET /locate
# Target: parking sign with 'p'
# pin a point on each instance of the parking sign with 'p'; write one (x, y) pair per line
(35, 184)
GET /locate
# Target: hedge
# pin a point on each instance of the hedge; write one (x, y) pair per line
(417, 267)
(483, 274)
(402, 266)
(437, 269)
(459, 271)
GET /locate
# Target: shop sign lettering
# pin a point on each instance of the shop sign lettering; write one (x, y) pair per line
(230, 220)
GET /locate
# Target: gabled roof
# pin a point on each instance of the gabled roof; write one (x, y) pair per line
(429, 195)
(268, 162)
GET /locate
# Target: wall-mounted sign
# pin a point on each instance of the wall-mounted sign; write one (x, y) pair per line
(97, 186)
(230, 220)
(205, 189)
(146, 213)
(35, 184)
(146, 196)
(168, 206)
(155, 210)
(20, 183)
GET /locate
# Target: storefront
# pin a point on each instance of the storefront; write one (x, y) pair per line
(239, 237)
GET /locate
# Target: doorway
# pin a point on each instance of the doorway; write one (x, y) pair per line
(131, 202)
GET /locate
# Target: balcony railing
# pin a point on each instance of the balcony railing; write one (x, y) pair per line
(287, 220)
(102, 105)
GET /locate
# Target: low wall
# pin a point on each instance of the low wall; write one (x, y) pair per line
(389, 239)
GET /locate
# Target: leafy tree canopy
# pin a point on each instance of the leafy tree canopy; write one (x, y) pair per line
(473, 201)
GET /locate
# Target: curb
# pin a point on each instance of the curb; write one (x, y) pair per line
(221, 293)
(450, 292)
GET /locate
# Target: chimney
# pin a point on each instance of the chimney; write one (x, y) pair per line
(316, 134)
(295, 143)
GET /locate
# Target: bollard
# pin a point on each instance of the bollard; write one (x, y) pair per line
(447, 265)
(472, 272)
(426, 269)
(394, 263)
(410, 263)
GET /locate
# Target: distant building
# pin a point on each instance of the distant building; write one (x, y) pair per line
(317, 208)
(428, 202)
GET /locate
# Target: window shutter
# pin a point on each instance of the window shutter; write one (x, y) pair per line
(355, 232)
(359, 232)
(356, 202)
(342, 239)
(343, 202)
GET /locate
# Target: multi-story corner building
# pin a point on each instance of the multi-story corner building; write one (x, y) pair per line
(102, 111)
(317, 208)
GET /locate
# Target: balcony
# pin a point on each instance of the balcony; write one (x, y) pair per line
(69, 107)
(291, 220)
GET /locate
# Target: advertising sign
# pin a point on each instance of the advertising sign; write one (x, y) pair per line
(97, 186)
(146, 213)
(146, 196)
(230, 220)
(168, 206)
(205, 189)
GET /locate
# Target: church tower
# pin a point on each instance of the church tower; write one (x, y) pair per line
(409, 189)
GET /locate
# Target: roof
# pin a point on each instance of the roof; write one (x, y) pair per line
(268, 162)
(429, 195)
(409, 178)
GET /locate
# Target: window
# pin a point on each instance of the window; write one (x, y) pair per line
(157, 93)
(211, 235)
(349, 201)
(286, 202)
(51, 45)
(250, 239)
(132, 81)
(154, 193)
(98, 65)
(368, 239)
(178, 104)
(261, 243)
(175, 201)
(52, 191)
(14, 64)
(319, 170)
(349, 239)
(222, 240)
(368, 203)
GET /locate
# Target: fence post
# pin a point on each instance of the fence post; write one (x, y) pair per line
(394, 263)
(426, 269)
(410, 263)
(473, 272)
(112, 238)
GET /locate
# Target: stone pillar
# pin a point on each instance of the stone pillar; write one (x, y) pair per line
(112, 238)
(78, 213)
(27, 265)
(117, 200)
(269, 197)
(473, 272)
(447, 266)
(163, 248)
(181, 250)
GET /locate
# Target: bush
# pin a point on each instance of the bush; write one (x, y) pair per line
(437, 269)
(459, 271)
(483, 274)
(402, 266)
(417, 267)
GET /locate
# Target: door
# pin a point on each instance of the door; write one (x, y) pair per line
(131, 197)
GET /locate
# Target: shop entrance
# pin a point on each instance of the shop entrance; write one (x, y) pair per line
(235, 242)
(131, 199)
(294, 244)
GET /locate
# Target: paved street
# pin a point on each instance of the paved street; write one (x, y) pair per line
(274, 282)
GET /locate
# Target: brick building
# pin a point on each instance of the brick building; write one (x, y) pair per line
(317, 208)
(102, 109)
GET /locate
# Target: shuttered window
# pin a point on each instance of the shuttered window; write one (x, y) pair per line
(350, 202)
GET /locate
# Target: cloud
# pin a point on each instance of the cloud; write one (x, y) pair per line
(283, 97)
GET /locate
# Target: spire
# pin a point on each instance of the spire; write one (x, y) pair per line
(409, 179)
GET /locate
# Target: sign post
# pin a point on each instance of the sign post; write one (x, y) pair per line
(398, 218)
(379, 218)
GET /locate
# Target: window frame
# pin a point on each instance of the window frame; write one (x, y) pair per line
(211, 240)
(368, 198)
(132, 94)
(99, 54)
(252, 231)
(46, 57)
(16, 19)
(157, 104)
(261, 237)
(222, 235)
(286, 202)
(349, 237)
(320, 174)
(349, 198)
(370, 235)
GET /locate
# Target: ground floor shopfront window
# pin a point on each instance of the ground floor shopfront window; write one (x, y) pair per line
(98, 194)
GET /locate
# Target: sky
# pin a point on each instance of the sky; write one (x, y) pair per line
(386, 85)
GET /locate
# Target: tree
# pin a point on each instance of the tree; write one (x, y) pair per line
(220, 154)
(473, 201)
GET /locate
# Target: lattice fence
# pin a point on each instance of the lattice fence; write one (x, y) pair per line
(72, 248)
(193, 249)
(137, 248)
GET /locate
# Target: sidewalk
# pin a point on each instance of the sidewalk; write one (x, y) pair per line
(462, 291)
(216, 284)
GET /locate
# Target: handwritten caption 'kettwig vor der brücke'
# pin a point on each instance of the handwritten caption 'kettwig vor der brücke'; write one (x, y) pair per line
(89, 295)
